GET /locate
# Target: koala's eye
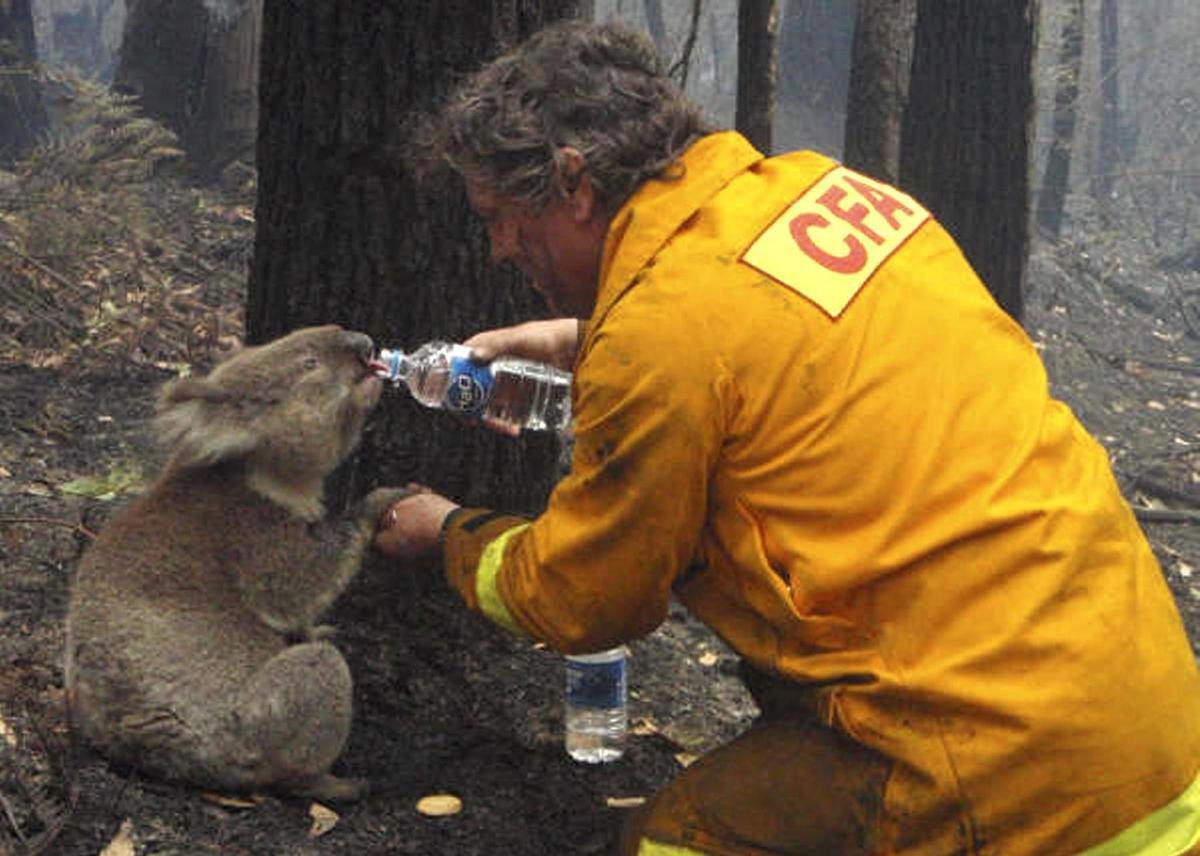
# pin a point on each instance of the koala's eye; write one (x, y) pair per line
(311, 362)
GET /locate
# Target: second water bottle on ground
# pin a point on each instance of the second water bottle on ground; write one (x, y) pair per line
(595, 715)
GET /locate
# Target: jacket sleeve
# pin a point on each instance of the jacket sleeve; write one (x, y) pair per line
(596, 568)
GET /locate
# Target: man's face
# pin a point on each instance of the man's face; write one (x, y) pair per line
(557, 247)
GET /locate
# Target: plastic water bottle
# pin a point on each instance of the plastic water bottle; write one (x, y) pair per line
(518, 393)
(596, 695)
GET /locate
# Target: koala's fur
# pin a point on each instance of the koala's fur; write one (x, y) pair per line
(180, 658)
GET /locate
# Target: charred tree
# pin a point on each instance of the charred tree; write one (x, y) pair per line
(224, 126)
(879, 73)
(657, 27)
(758, 70)
(162, 50)
(967, 130)
(345, 236)
(83, 34)
(1108, 155)
(679, 67)
(22, 114)
(1056, 180)
(815, 42)
(193, 66)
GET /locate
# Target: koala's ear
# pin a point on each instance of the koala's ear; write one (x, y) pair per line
(196, 419)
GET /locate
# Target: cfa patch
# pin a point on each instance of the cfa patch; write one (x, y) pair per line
(829, 242)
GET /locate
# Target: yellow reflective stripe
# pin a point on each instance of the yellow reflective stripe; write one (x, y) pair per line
(657, 848)
(1172, 830)
(490, 602)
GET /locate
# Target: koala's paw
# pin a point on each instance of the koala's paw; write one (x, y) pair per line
(316, 633)
(378, 501)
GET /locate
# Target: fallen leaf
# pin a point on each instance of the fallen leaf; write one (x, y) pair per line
(121, 478)
(439, 805)
(5, 473)
(708, 658)
(625, 802)
(324, 819)
(10, 736)
(180, 369)
(227, 801)
(48, 361)
(1156, 405)
(644, 727)
(122, 844)
(1185, 570)
(685, 759)
(238, 213)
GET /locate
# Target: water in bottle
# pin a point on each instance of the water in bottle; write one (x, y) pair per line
(517, 393)
(596, 695)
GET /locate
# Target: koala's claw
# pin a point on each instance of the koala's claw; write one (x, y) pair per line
(320, 632)
(378, 501)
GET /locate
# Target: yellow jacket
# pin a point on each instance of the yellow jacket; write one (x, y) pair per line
(798, 408)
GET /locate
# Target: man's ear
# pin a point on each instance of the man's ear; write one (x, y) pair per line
(576, 183)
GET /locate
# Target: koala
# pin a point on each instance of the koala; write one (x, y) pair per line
(193, 652)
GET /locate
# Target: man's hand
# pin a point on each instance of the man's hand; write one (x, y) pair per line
(410, 529)
(555, 342)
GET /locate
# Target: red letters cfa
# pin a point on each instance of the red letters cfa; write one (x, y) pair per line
(808, 226)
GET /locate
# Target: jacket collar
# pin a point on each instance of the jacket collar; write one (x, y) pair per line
(660, 207)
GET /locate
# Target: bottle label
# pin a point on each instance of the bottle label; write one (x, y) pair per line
(470, 386)
(599, 686)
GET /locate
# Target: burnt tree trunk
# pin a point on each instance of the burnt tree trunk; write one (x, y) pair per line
(879, 74)
(758, 70)
(22, 114)
(162, 54)
(656, 25)
(344, 235)
(78, 33)
(1108, 154)
(1056, 180)
(193, 66)
(224, 127)
(967, 131)
(815, 44)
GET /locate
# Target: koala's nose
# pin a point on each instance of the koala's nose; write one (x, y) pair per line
(359, 344)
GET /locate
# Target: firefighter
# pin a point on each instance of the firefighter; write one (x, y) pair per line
(800, 412)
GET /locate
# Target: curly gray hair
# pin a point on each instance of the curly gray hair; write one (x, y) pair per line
(599, 88)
